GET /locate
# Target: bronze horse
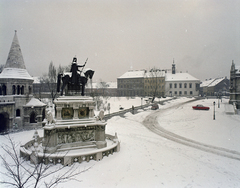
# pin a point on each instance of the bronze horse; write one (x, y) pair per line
(73, 79)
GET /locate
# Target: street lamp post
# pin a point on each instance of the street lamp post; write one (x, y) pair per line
(214, 110)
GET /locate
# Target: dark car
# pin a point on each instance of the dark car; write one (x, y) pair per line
(200, 107)
(154, 106)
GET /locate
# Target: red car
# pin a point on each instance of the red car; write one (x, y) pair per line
(200, 107)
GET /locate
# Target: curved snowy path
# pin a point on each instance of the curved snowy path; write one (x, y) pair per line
(151, 122)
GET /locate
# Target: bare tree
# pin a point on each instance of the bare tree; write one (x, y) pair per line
(102, 86)
(52, 73)
(154, 83)
(48, 81)
(20, 173)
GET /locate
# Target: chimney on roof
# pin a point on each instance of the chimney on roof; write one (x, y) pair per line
(173, 68)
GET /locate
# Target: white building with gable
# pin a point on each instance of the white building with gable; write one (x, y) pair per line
(181, 84)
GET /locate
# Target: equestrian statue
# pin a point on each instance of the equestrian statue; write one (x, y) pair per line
(74, 80)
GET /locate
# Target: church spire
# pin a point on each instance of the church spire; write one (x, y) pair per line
(173, 68)
(15, 58)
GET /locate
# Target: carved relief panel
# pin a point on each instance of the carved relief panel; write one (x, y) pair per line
(67, 113)
(83, 112)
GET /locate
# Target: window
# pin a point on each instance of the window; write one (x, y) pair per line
(175, 85)
(22, 90)
(197, 86)
(180, 85)
(190, 85)
(4, 89)
(30, 89)
(13, 89)
(18, 113)
(180, 93)
(175, 92)
(170, 85)
(190, 92)
(185, 85)
(185, 92)
(33, 118)
(18, 90)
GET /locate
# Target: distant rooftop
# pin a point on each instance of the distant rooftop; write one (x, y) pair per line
(133, 74)
(180, 77)
(211, 82)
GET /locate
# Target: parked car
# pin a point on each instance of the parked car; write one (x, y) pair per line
(200, 107)
(154, 106)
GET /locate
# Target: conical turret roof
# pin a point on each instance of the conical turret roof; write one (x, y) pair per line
(15, 67)
(15, 58)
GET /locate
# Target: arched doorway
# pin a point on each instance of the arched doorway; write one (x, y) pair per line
(4, 121)
(33, 118)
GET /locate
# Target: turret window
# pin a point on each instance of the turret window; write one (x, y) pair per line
(13, 89)
(18, 114)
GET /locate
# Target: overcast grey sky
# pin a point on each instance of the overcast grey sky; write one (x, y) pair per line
(203, 36)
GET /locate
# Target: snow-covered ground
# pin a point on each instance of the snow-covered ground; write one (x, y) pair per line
(147, 159)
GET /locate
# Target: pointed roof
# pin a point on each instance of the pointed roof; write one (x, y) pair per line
(35, 102)
(15, 67)
(15, 58)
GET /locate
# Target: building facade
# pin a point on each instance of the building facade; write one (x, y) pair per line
(235, 85)
(154, 83)
(215, 87)
(131, 83)
(18, 108)
(181, 84)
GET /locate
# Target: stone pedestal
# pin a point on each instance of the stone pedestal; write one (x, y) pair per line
(75, 126)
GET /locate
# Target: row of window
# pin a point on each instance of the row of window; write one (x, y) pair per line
(154, 80)
(130, 86)
(16, 90)
(180, 85)
(33, 116)
(180, 93)
(152, 87)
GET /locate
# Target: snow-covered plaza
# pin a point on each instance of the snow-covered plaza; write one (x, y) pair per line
(156, 159)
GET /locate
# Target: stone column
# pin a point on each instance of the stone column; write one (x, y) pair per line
(91, 112)
(59, 113)
(75, 112)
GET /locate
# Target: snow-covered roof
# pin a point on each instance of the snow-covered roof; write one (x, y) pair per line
(133, 74)
(142, 74)
(108, 84)
(36, 80)
(237, 68)
(180, 77)
(35, 102)
(155, 74)
(215, 82)
(15, 67)
(206, 82)
(15, 58)
(211, 82)
(15, 73)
